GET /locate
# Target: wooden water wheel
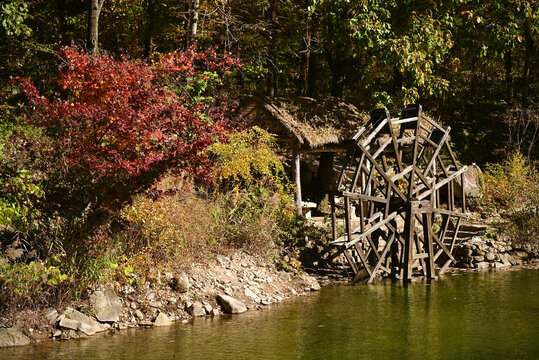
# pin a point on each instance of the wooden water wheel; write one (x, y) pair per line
(397, 188)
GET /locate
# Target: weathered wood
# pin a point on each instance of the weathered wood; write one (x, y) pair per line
(379, 165)
(297, 178)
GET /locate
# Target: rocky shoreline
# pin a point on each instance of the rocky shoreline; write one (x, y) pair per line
(225, 284)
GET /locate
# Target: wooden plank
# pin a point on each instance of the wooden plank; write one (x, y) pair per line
(442, 183)
(398, 154)
(356, 196)
(399, 121)
(437, 151)
(372, 229)
(427, 241)
(409, 231)
(363, 258)
(457, 227)
(382, 173)
(297, 178)
(382, 257)
(445, 267)
(374, 133)
(356, 173)
(333, 217)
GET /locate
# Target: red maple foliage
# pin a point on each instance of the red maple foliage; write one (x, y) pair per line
(121, 123)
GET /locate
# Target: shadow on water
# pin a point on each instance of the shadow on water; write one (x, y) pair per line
(472, 316)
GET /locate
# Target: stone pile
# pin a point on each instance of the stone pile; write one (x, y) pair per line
(481, 253)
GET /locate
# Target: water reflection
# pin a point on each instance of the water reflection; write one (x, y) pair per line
(474, 316)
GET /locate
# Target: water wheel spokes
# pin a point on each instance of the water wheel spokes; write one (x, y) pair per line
(397, 189)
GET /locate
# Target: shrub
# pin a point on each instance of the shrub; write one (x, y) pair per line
(512, 189)
(247, 160)
(512, 185)
(29, 284)
(119, 124)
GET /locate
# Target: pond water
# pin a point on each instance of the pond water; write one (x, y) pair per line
(470, 316)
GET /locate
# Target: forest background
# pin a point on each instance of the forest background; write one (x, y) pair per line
(117, 115)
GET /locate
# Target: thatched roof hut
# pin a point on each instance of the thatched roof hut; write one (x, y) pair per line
(307, 125)
(311, 124)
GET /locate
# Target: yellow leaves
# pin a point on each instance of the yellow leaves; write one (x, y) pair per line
(247, 159)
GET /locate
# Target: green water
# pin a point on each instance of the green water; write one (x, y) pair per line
(472, 316)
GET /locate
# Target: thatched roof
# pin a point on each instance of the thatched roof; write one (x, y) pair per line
(313, 123)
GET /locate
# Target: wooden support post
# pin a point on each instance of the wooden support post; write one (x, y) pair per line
(409, 233)
(427, 244)
(333, 217)
(297, 178)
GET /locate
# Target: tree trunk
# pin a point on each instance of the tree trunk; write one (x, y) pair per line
(92, 39)
(509, 75)
(309, 65)
(398, 80)
(193, 21)
(148, 43)
(529, 58)
(306, 59)
(272, 78)
(337, 73)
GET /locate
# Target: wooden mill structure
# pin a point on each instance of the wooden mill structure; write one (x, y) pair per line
(397, 187)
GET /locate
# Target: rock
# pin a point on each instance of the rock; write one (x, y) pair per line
(498, 265)
(231, 305)
(51, 316)
(139, 314)
(12, 337)
(145, 323)
(180, 283)
(482, 265)
(490, 256)
(214, 312)
(162, 320)
(474, 184)
(195, 309)
(207, 308)
(106, 305)
(251, 294)
(478, 258)
(71, 334)
(88, 325)
(57, 333)
(156, 304)
(505, 259)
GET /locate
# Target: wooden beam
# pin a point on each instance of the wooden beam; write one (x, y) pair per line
(297, 178)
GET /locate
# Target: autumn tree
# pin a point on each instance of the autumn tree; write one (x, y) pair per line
(121, 123)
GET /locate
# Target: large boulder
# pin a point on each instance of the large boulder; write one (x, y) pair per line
(12, 337)
(75, 320)
(106, 305)
(474, 184)
(231, 305)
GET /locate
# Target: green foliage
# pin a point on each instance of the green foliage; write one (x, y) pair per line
(12, 16)
(20, 189)
(512, 185)
(512, 188)
(22, 284)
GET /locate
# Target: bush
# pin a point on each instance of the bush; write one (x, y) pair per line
(512, 189)
(512, 185)
(29, 284)
(247, 160)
